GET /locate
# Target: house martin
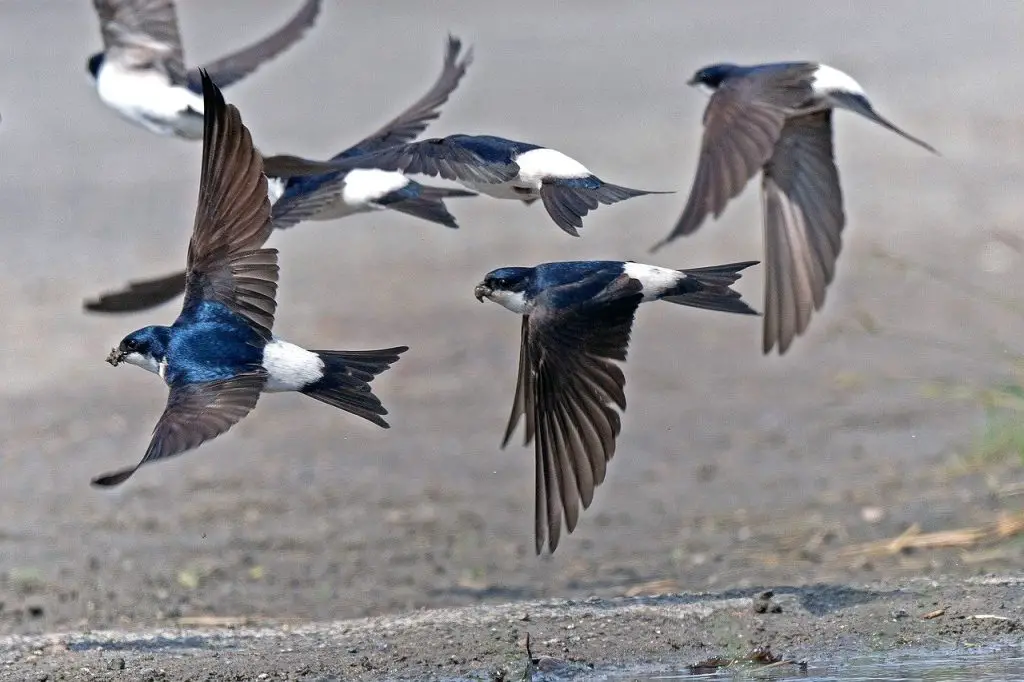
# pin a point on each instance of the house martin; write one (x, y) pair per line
(372, 189)
(302, 189)
(577, 319)
(506, 169)
(778, 118)
(141, 72)
(220, 353)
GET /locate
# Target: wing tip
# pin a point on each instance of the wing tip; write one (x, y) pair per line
(113, 478)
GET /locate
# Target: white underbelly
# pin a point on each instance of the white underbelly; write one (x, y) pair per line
(147, 99)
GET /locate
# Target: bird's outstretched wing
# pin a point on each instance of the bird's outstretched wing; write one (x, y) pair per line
(139, 295)
(742, 123)
(142, 34)
(195, 413)
(238, 65)
(225, 261)
(567, 385)
(409, 124)
(803, 226)
(456, 157)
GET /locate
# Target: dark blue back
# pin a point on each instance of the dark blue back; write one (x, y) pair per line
(598, 273)
(209, 341)
(490, 148)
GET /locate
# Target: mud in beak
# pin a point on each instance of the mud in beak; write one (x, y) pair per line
(116, 357)
(481, 292)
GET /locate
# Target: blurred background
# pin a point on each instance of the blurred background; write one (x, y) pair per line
(897, 416)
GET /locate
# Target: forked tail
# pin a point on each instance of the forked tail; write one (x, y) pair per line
(710, 288)
(346, 380)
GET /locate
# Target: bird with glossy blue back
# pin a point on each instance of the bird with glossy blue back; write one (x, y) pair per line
(220, 354)
(577, 318)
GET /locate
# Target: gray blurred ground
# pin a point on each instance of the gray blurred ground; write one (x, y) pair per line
(732, 470)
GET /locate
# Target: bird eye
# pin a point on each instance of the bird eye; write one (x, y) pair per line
(130, 344)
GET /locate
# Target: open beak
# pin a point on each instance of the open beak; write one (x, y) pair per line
(481, 291)
(115, 357)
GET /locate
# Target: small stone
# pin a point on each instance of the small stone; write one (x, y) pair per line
(763, 603)
(872, 515)
(116, 664)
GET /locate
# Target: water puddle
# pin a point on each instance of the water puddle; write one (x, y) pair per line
(932, 666)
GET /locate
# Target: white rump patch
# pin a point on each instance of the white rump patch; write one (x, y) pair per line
(275, 189)
(511, 300)
(655, 280)
(827, 80)
(363, 186)
(538, 164)
(291, 368)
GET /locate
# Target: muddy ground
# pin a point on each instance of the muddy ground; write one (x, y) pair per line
(734, 471)
(799, 630)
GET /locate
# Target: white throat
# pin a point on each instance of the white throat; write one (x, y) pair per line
(148, 363)
(511, 300)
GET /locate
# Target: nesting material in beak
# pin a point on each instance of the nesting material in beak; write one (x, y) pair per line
(481, 291)
(116, 357)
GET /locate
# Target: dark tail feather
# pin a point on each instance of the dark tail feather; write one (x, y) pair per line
(429, 205)
(709, 288)
(347, 377)
(567, 203)
(140, 295)
(861, 105)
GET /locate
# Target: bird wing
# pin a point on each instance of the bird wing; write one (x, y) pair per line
(803, 224)
(742, 123)
(139, 295)
(195, 413)
(452, 158)
(240, 64)
(142, 33)
(413, 121)
(233, 220)
(567, 383)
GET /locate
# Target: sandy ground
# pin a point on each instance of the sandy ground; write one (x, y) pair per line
(733, 470)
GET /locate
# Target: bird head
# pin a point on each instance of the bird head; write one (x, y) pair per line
(94, 64)
(506, 287)
(145, 348)
(712, 76)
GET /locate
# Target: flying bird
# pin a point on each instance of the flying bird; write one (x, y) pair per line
(141, 72)
(220, 353)
(301, 189)
(506, 169)
(372, 189)
(777, 118)
(577, 319)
